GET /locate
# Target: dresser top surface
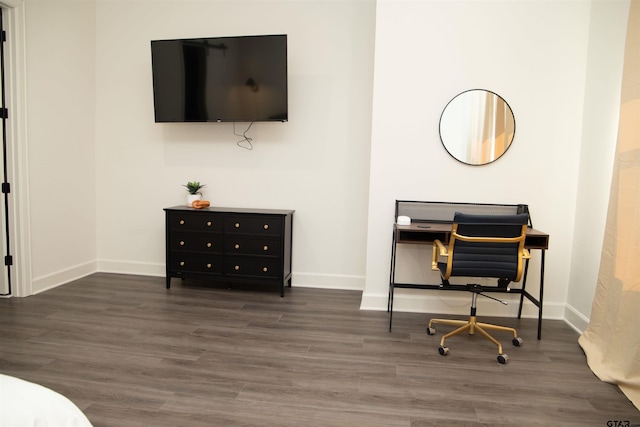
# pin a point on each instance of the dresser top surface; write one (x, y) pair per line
(218, 209)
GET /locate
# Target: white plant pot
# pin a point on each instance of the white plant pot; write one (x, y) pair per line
(192, 197)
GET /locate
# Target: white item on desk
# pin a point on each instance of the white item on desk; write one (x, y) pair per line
(404, 220)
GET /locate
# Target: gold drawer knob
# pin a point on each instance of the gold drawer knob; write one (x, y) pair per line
(181, 263)
(236, 268)
(237, 225)
(182, 222)
(181, 242)
(208, 265)
(265, 269)
(237, 246)
(266, 226)
(209, 244)
(209, 223)
(265, 248)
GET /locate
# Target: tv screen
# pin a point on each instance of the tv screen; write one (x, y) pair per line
(222, 79)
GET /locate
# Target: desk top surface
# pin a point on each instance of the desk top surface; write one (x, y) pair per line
(422, 232)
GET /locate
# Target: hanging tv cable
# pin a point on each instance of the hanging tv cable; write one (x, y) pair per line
(245, 142)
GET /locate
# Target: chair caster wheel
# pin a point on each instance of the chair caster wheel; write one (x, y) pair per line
(431, 330)
(443, 350)
(503, 358)
(517, 341)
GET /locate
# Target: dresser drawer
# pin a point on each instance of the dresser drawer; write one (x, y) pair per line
(251, 246)
(197, 263)
(252, 224)
(252, 267)
(192, 221)
(202, 242)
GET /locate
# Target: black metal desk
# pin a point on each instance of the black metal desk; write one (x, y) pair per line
(423, 230)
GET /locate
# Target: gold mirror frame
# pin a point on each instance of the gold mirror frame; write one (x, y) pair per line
(477, 127)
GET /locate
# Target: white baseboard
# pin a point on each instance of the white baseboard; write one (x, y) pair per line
(53, 280)
(458, 303)
(575, 319)
(50, 281)
(302, 280)
(327, 281)
(128, 267)
(405, 300)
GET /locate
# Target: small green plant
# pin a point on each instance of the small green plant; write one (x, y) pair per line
(194, 187)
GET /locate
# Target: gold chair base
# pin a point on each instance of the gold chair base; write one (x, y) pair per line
(473, 326)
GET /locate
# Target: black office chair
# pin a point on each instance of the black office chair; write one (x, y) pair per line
(481, 246)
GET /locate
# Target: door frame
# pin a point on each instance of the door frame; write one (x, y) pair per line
(17, 146)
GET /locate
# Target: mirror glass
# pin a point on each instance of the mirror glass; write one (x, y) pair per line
(477, 127)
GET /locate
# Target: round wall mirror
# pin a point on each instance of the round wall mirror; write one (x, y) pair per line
(477, 127)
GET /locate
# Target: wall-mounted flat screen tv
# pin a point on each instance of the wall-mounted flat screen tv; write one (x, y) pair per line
(221, 79)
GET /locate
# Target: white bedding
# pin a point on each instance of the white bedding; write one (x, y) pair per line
(23, 404)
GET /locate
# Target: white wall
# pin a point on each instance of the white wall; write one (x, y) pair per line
(60, 117)
(599, 135)
(317, 163)
(534, 54)
(101, 170)
(337, 163)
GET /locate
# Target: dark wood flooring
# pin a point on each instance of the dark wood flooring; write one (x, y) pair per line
(129, 352)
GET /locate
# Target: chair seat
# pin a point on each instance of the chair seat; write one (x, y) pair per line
(482, 271)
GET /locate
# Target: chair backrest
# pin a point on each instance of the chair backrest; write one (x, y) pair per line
(487, 246)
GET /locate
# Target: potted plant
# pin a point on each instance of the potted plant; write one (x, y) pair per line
(194, 188)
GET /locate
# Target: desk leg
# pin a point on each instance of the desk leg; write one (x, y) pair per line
(541, 295)
(391, 309)
(524, 287)
(392, 277)
(524, 293)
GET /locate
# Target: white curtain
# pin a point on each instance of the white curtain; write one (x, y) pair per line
(611, 341)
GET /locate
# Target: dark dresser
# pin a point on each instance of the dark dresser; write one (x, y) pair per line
(229, 245)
